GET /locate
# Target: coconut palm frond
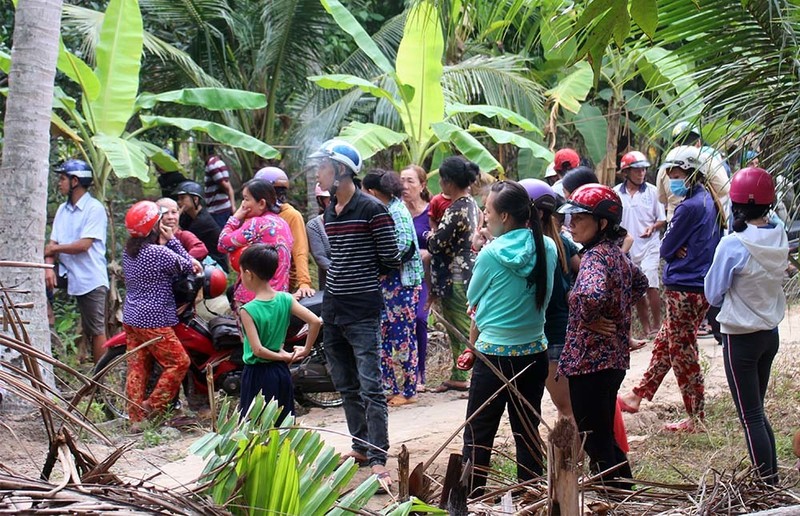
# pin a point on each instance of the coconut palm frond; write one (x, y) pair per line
(746, 58)
(499, 81)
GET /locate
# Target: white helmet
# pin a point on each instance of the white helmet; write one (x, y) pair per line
(686, 157)
(684, 128)
(341, 151)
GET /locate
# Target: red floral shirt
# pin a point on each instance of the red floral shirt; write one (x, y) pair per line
(608, 285)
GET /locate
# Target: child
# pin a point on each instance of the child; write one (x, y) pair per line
(264, 321)
(255, 222)
(436, 208)
(746, 281)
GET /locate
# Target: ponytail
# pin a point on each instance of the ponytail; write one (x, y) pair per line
(744, 212)
(539, 273)
(550, 228)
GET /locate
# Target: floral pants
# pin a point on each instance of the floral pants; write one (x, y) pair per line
(675, 347)
(398, 335)
(171, 357)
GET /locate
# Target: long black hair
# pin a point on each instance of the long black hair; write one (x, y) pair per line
(511, 198)
(134, 245)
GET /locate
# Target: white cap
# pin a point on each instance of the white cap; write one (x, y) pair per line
(551, 171)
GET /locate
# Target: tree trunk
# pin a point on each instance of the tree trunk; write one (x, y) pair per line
(607, 168)
(24, 170)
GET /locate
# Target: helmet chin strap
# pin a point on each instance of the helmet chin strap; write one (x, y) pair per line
(339, 173)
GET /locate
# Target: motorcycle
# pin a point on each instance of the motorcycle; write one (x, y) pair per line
(216, 346)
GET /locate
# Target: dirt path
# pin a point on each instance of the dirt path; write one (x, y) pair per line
(422, 427)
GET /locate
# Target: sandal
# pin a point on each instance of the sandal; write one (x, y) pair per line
(384, 478)
(400, 400)
(625, 407)
(684, 426)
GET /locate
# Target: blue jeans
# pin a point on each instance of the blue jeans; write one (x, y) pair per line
(353, 354)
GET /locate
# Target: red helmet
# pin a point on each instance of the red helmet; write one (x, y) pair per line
(214, 282)
(599, 200)
(752, 185)
(234, 256)
(633, 159)
(566, 159)
(141, 218)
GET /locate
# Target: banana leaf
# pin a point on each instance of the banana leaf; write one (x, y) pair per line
(494, 112)
(76, 69)
(119, 54)
(572, 89)
(501, 136)
(218, 132)
(467, 144)
(419, 65)
(213, 99)
(370, 139)
(127, 159)
(350, 25)
(345, 82)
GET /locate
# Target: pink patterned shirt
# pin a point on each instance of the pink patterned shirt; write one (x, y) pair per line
(268, 229)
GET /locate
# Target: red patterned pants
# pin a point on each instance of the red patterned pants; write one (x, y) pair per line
(171, 357)
(675, 347)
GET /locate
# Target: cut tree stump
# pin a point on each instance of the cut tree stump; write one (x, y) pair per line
(563, 452)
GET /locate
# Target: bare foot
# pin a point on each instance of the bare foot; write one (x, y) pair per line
(399, 401)
(629, 403)
(384, 477)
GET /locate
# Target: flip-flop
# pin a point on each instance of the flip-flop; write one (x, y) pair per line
(625, 407)
(636, 344)
(685, 426)
(399, 401)
(384, 479)
(444, 387)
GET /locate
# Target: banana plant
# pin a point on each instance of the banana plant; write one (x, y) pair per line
(255, 466)
(413, 88)
(107, 123)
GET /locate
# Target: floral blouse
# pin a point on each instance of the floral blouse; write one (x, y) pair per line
(451, 246)
(268, 229)
(608, 285)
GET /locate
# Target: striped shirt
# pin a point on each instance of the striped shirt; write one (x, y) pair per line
(217, 200)
(362, 241)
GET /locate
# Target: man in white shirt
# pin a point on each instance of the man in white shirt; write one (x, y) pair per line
(643, 217)
(713, 168)
(78, 241)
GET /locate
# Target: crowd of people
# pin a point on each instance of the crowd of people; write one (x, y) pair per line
(536, 281)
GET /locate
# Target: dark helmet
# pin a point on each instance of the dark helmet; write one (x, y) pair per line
(75, 168)
(189, 188)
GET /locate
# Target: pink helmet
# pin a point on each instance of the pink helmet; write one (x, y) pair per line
(752, 185)
(273, 175)
(319, 192)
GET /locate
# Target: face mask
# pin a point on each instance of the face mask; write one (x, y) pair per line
(495, 229)
(678, 187)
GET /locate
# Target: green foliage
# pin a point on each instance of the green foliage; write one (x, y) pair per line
(256, 467)
(414, 89)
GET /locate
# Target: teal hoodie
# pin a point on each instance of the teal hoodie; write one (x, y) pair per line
(506, 312)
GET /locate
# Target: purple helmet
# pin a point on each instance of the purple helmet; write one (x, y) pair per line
(274, 176)
(540, 193)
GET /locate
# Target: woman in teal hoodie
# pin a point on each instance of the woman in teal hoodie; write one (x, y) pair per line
(512, 280)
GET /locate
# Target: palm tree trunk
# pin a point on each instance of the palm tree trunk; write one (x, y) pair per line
(607, 168)
(26, 148)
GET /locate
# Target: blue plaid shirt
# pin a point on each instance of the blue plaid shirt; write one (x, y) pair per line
(410, 271)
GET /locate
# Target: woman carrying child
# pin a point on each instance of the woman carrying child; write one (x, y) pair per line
(746, 281)
(265, 320)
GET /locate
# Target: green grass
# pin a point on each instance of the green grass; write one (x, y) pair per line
(675, 458)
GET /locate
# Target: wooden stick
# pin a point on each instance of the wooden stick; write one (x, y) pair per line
(26, 265)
